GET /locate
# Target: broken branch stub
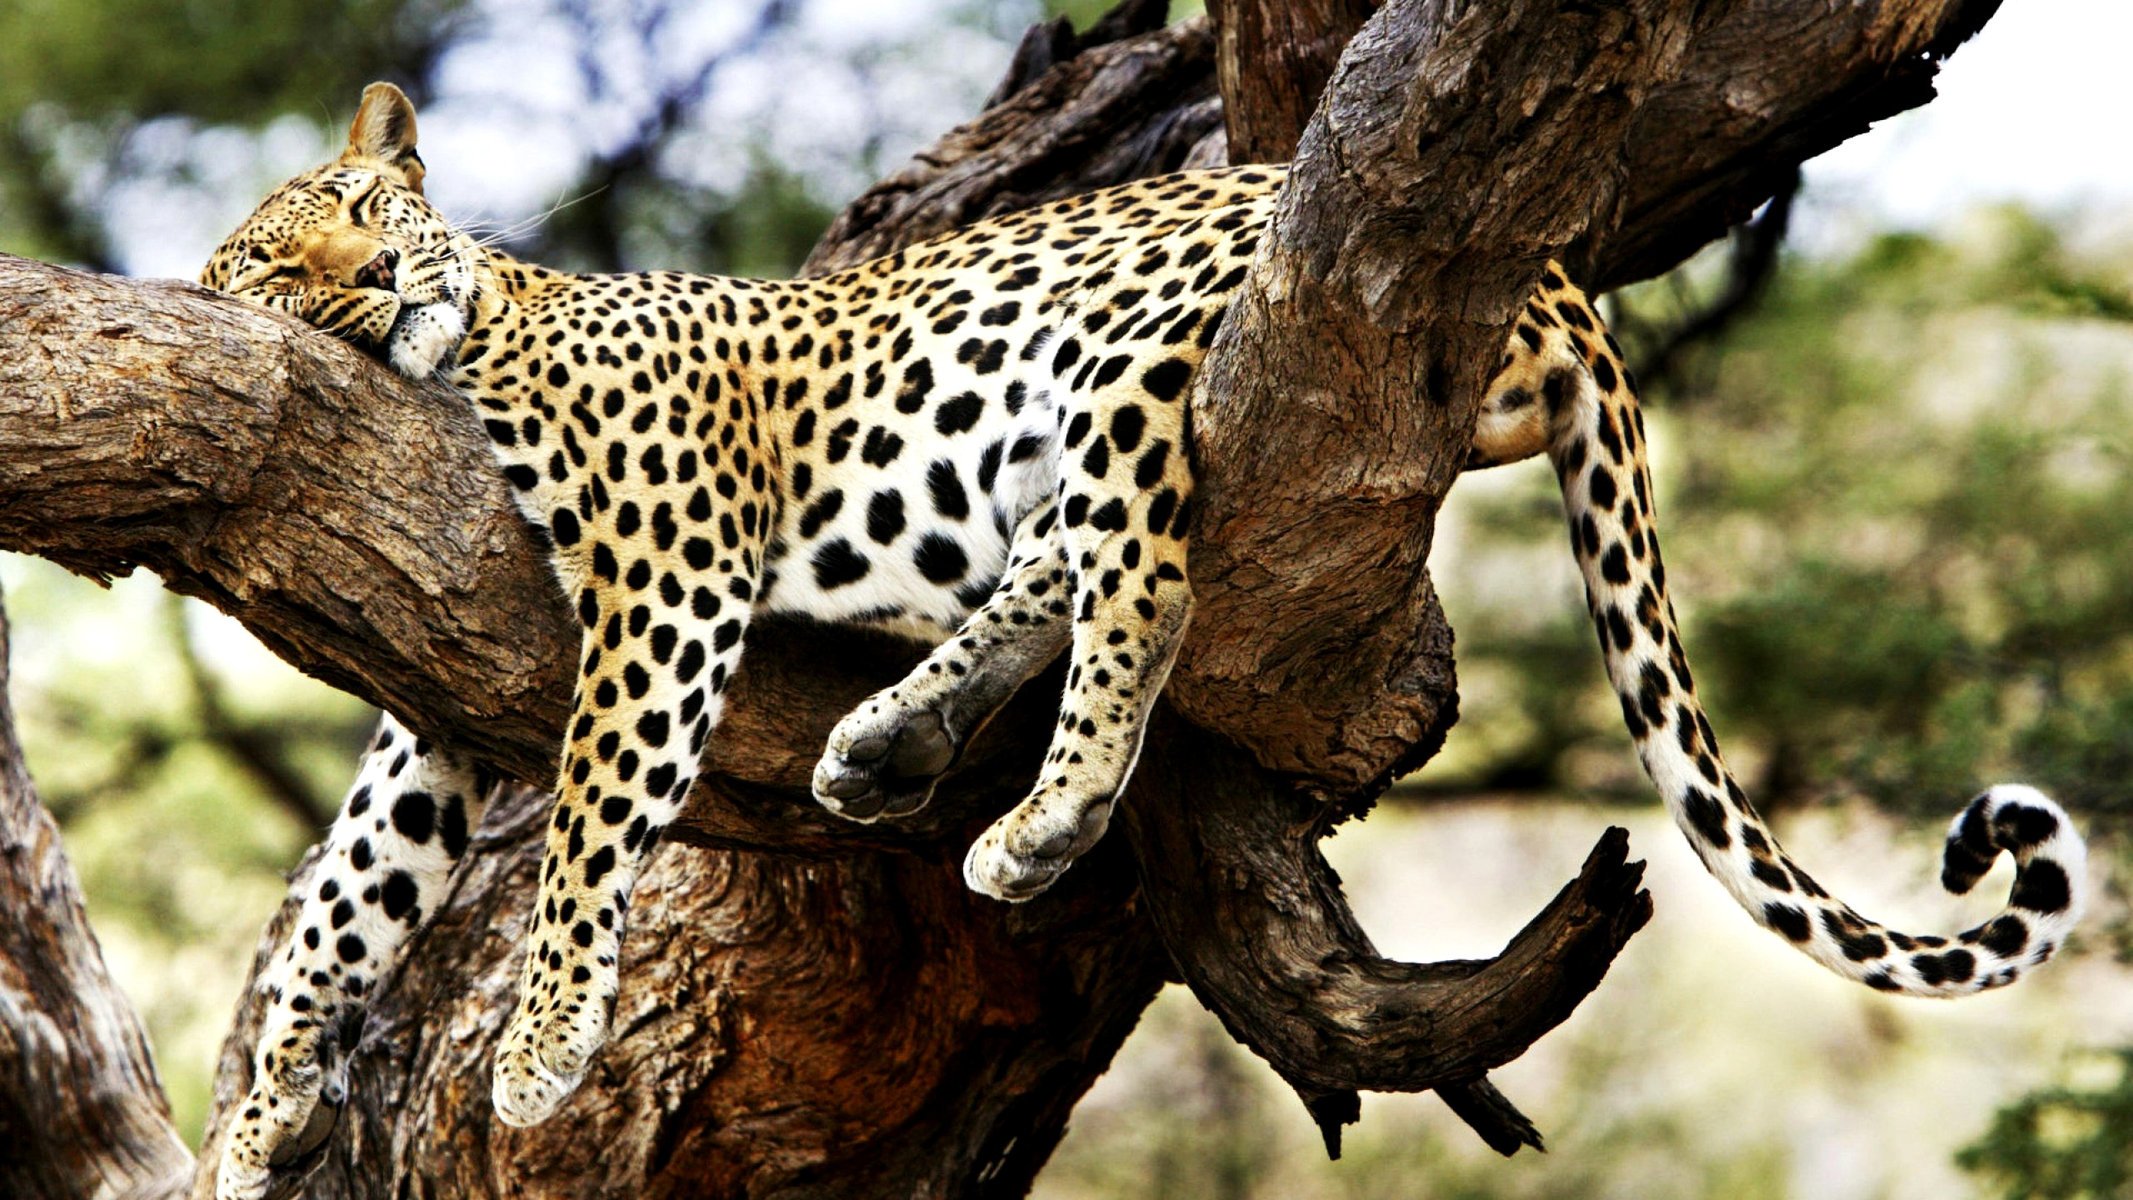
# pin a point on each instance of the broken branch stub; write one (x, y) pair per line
(354, 522)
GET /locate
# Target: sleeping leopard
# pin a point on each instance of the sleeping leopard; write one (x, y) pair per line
(984, 438)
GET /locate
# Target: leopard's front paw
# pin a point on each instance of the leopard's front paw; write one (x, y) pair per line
(882, 760)
(546, 1050)
(1026, 850)
(295, 1100)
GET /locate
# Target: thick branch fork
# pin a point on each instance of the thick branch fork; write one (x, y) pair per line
(837, 1016)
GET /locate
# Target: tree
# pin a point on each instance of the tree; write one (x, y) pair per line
(816, 1009)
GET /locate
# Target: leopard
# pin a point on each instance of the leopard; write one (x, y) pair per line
(983, 441)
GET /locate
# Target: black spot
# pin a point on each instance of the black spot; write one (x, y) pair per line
(989, 467)
(1858, 944)
(1126, 426)
(597, 867)
(821, 512)
(398, 894)
(837, 564)
(2022, 825)
(1160, 509)
(415, 816)
(885, 516)
(881, 447)
(1970, 850)
(1166, 379)
(918, 383)
(959, 414)
(565, 527)
(1097, 461)
(350, 948)
(1788, 920)
(652, 728)
(939, 559)
(2005, 936)
(984, 357)
(2042, 887)
(1707, 817)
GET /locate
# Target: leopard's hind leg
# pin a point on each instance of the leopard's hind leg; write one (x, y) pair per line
(884, 756)
(1125, 481)
(403, 826)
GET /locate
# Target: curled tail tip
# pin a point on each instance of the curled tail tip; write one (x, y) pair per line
(2050, 871)
(2023, 822)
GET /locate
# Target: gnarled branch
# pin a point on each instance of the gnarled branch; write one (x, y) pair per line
(353, 521)
(82, 1112)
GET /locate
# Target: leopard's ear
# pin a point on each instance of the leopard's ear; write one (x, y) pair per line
(383, 134)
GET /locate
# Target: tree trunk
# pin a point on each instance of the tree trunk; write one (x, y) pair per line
(813, 1008)
(82, 1111)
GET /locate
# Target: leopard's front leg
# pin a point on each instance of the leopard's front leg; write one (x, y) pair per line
(404, 824)
(658, 654)
(884, 756)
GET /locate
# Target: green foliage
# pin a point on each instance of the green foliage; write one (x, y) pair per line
(80, 81)
(1893, 500)
(2062, 1143)
(179, 843)
(232, 61)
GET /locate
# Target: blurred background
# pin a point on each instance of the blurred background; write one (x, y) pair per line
(1891, 427)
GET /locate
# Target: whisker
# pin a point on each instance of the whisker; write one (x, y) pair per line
(493, 236)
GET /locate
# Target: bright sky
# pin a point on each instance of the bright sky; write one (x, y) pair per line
(2027, 112)
(2031, 109)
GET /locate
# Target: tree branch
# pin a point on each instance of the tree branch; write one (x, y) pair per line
(1273, 58)
(355, 523)
(82, 1111)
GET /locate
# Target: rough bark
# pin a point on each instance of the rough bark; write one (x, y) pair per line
(82, 1111)
(815, 1008)
(1273, 58)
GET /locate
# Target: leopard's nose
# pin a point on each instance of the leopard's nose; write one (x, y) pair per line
(378, 272)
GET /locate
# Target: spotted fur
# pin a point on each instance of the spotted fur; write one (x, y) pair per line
(982, 439)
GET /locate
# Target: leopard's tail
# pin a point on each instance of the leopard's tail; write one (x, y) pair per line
(1597, 444)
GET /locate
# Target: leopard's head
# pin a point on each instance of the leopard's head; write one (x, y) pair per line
(353, 249)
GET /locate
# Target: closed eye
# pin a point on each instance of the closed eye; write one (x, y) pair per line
(286, 271)
(357, 214)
